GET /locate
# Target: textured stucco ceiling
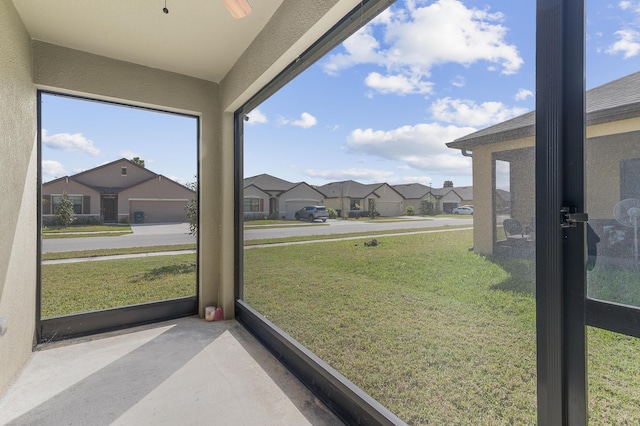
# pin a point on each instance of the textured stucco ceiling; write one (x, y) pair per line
(198, 38)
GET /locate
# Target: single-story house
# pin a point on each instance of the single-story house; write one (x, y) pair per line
(612, 166)
(443, 199)
(349, 195)
(266, 195)
(120, 191)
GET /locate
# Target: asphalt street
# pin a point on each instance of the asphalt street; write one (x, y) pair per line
(145, 235)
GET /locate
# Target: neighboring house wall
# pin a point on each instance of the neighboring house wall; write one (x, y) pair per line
(449, 201)
(91, 197)
(160, 200)
(388, 201)
(112, 176)
(18, 211)
(296, 198)
(261, 200)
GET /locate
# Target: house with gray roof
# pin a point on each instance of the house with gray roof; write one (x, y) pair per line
(350, 195)
(119, 191)
(505, 152)
(442, 199)
(269, 196)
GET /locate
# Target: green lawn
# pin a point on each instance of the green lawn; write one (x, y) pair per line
(434, 332)
(86, 286)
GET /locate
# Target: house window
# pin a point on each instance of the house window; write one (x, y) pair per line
(630, 178)
(124, 171)
(76, 199)
(251, 204)
(356, 204)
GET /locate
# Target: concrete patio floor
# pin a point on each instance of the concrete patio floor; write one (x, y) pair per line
(182, 372)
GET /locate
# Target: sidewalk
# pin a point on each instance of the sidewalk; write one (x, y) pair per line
(177, 252)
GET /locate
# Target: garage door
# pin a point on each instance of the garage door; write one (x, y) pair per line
(292, 206)
(159, 211)
(389, 208)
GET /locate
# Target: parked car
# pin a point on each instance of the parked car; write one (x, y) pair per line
(463, 210)
(312, 213)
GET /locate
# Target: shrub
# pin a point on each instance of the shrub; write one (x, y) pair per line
(93, 219)
(409, 211)
(333, 214)
(64, 211)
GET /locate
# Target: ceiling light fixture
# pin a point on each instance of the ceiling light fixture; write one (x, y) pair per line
(164, 9)
(238, 8)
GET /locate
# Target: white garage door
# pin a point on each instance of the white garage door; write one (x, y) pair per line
(158, 211)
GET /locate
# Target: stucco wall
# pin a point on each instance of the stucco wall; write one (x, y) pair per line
(71, 71)
(18, 171)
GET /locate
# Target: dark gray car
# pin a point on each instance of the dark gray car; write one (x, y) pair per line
(312, 213)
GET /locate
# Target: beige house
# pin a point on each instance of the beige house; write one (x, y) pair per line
(268, 196)
(442, 199)
(120, 191)
(505, 152)
(347, 196)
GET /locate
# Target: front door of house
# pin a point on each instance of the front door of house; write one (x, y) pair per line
(109, 208)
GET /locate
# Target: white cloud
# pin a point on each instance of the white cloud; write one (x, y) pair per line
(398, 84)
(52, 170)
(459, 81)
(421, 147)
(468, 113)
(306, 120)
(523, 94)
(416, 39)
(256, 117)
(125, 153)
(628, 44)
(69, 142)
(360, 175)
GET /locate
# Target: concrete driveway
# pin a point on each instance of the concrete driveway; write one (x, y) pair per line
(160, 228)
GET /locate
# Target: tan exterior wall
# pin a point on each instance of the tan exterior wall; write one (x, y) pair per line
(18, 215)
(74, 188)
(603, 171)
(483, 215)
(112, 177)
(160, 199)
(389, 203)
(253, 192)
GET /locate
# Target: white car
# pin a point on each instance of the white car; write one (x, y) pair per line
(463, 210)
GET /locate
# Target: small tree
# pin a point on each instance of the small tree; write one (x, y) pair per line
(192, 209)
(409, 211)
(372, 208)
(139, 161)
(448, 184)
(64, 211)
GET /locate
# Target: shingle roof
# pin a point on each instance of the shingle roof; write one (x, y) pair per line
(348, 188)
(616, 100)
(268, 183)
(412, 190)
(464, 192)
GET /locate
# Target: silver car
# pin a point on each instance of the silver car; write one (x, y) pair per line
(312, 213)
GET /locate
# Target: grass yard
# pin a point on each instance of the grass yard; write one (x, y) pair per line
(434, 332)
(86, 286)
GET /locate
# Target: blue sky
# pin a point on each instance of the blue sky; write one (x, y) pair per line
(379, 108)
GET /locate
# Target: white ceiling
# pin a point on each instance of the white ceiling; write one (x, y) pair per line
(198, 38)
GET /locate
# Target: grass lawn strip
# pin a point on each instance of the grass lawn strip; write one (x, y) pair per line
(86, 234)
(114, 252)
